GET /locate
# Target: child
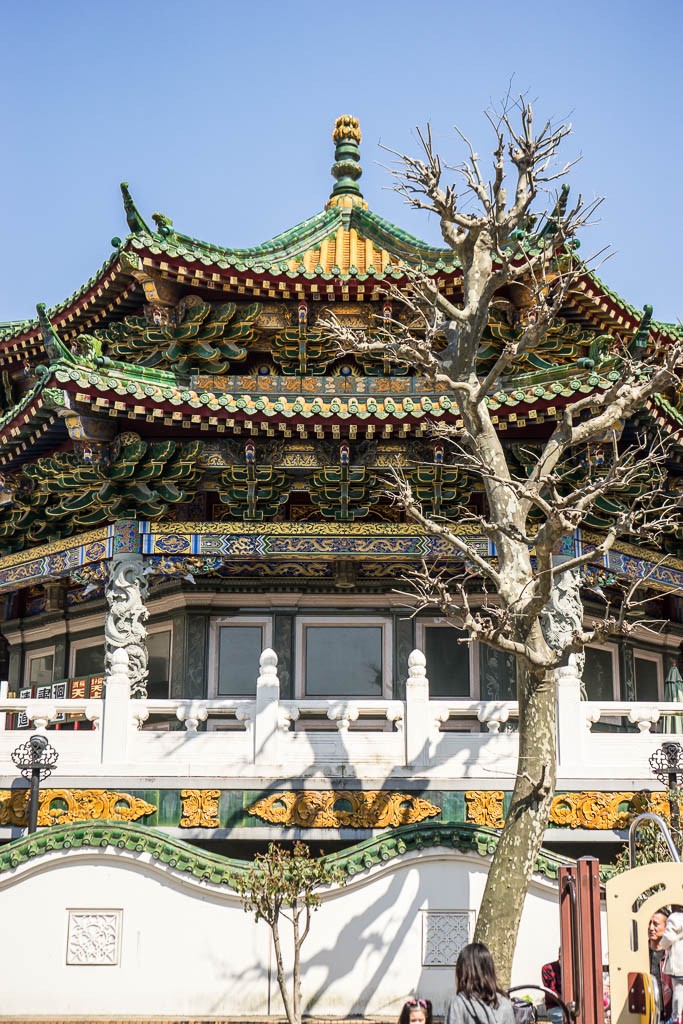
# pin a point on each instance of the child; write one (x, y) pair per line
(416, 1011)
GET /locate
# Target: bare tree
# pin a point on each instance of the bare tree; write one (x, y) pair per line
(283, 884)
(517, 257)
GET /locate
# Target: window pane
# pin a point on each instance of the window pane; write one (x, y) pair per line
(448, 662)
(597, 674)
(498, 679)
(40, 670)
(89, 661)
(646, 679)
(159, 648)
(343, 661)
(239, 650)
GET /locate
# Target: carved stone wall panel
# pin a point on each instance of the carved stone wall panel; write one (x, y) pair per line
(444, 933)
(283, 643)
(94, 938)
(344, 809)
(195, 655)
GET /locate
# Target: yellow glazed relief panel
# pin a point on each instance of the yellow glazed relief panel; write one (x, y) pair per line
(590, 810)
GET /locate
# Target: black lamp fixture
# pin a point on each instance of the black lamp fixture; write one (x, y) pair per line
(36, 760)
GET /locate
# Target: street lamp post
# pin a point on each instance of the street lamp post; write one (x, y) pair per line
(35, 759)
(667, 765)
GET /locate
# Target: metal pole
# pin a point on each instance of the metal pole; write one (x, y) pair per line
(33, 800)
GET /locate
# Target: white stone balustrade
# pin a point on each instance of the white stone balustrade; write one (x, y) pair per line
(268, 737)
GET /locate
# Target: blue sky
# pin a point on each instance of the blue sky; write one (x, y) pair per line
(219, 114)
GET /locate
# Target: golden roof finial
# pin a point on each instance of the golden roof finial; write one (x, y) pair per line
(346, 169)
(346, 127)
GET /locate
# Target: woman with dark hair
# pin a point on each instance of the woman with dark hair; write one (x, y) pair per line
(478, 999)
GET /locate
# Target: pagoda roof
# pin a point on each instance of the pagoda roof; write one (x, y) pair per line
(345, 252)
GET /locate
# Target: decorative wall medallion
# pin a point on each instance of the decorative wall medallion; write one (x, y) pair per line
(443, 936)
(65, 806)
(200, 808)
(94, 938)
(343, 809)
(485, 807)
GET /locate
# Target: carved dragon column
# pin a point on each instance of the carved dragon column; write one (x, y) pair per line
(125, 621)
(563, 616)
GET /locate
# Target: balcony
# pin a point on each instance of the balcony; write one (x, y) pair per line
(459, 744)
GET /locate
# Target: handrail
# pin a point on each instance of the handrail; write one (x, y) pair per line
(664, 829)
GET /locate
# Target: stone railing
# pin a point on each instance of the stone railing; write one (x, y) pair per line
(471, 741)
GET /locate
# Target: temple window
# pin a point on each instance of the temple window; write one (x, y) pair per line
(87, 659)
(648, 676)
(159, 651)
(39, 667)
(601, 674)
(236, 646)
(343, 657)
(449, 667)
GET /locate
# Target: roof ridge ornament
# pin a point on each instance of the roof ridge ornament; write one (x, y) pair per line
(55, 349)
(346, 167)
(135, 221)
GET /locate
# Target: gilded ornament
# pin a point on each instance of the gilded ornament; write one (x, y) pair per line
(66, 806)
(592, 810)
(200, 808)
(346, 127)
(485, 807)
(344, 809)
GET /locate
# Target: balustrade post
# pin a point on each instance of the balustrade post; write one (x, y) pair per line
(418, 718)
(116, 712)
(572, 725)
(267, 719)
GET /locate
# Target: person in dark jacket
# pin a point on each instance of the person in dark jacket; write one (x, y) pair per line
(478, 999)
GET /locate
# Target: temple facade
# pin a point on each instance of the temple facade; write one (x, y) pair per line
(195, 518)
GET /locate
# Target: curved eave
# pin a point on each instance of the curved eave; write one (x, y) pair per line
(27, 428)
(110, 290)
(156, 397)
(605, 307)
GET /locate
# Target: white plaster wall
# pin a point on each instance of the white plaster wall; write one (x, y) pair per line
(188, 948)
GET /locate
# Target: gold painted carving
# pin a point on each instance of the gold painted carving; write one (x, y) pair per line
(200, 808)
(590, 810)
(66, 806)
(485, 807)
(343, 809)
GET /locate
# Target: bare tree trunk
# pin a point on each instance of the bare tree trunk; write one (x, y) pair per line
(525, 824)
(281, 977)
(296, 968)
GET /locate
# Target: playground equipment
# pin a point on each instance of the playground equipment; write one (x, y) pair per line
(631, 899)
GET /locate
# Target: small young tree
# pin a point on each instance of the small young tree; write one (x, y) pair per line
(518, 267)
(284, 884)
